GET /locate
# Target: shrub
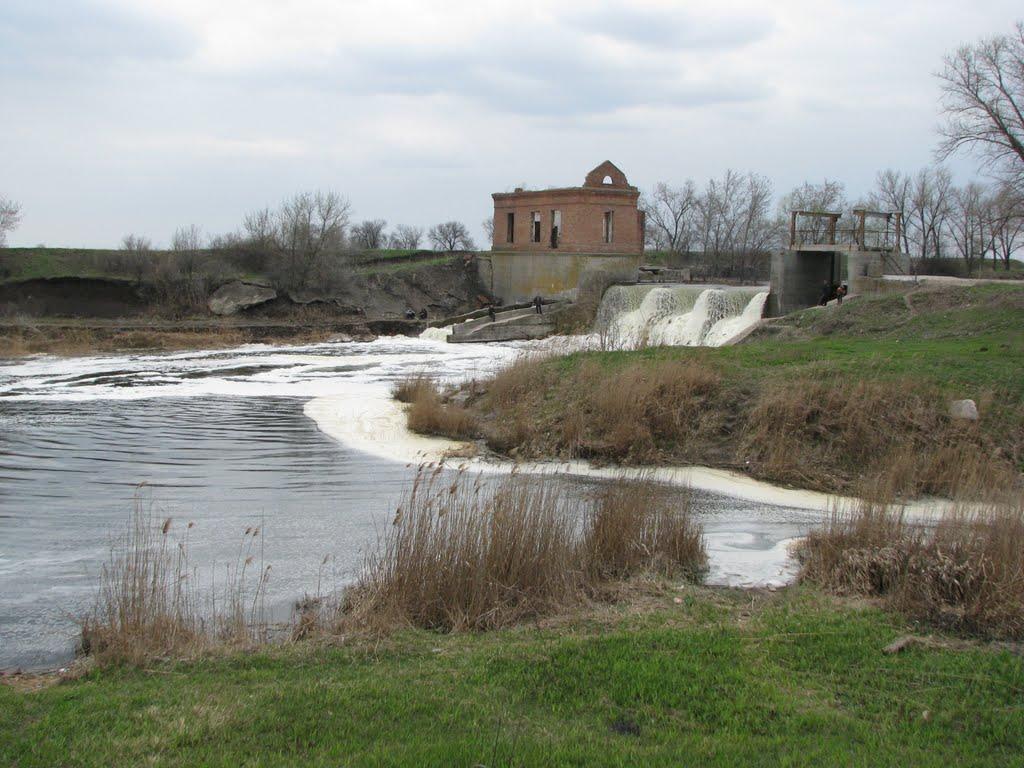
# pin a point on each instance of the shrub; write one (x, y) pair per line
(465, 555)
(429, 415)
(634, 527)
(462, 555)
(964, 573)
(149, 603)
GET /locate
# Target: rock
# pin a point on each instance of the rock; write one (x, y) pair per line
(237, 295)
(963, 409)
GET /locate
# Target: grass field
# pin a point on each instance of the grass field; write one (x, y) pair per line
(826, 399)
(18, 264)
(696, 677)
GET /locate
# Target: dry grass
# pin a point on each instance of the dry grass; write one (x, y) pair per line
(409, 389)
(429, 414)
(818, 431)
(813, 433)
(150, 602)
(636, 527)
(965, 573)
(461, 555)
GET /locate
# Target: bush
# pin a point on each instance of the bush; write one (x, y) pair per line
(464, 555)
(634, 527)
(965, 573)
(461, 555)
(429, 414)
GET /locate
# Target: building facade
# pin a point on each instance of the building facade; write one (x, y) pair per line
(545, 240)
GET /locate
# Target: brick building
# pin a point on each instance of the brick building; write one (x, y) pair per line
(599, 217)
(544, 240)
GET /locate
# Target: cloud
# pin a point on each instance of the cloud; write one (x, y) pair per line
(79, 36)
(672, 29)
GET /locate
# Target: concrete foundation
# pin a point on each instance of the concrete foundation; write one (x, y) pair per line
(798, 276)
(516, 276)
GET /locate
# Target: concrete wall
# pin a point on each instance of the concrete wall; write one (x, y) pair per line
(519, 276)
(798, 277)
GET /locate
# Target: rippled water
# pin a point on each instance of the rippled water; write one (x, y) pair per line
(220, 439)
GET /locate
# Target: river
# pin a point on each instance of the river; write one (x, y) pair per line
(228, 439)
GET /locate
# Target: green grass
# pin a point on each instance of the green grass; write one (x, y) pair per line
(17, 264)
(405, 266)
(967, 341)
(801, 682)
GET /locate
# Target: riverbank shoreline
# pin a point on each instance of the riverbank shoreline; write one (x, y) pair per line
(78, 338)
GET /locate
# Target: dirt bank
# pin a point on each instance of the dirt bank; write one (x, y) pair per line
(78, 315)
(854, 396)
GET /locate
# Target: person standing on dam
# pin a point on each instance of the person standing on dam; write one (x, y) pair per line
(538, 304)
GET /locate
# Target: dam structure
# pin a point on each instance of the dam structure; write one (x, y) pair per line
(823, 252)
(547, 241)
(683, 315)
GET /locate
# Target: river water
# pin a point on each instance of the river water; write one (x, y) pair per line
(224, 439)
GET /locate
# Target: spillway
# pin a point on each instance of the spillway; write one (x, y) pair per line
(634, 316)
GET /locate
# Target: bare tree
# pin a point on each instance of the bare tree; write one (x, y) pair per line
(488, 225)
(734, 229)
(983, 98)
(10, 218)
(261, 229)
(407, 236)
(1006, 223)
(187, 248)
(138, 251)
(451, 236)
(369, 235)
(930, 201)
(670, 215)
(967, 225)
(311, 230)
(892, 194)
(827, 197)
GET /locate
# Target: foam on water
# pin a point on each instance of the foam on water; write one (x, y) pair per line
(633, 316)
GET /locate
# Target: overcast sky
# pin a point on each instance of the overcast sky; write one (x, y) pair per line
(138, 116)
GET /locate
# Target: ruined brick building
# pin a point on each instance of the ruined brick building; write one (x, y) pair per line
(545, 240)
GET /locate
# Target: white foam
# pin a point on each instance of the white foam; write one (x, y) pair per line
(681, 315)
(437, 334)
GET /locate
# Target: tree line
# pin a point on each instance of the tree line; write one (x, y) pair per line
(729, 225)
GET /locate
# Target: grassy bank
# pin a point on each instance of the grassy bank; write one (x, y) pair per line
(689, 677)
(825, 399)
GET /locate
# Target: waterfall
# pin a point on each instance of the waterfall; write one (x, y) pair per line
(633, 316)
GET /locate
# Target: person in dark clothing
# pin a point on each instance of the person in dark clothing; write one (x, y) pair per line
(826, 293)
(841, 291)
(491, 313)
(538, 304)
(423, 314)
(409, 314)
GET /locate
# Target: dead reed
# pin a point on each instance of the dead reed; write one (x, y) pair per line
(464, 555)
(151, 604)
(964, 573)
(407, 390)
(429, 414)
(636, 526)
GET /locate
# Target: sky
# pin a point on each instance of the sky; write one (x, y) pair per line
(139, 116)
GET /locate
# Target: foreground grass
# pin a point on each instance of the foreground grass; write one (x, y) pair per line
(721, 678)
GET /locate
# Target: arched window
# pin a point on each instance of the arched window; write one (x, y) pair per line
(607, 180)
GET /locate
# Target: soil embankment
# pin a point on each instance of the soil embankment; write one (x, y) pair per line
(78, 315)
(851, 399)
